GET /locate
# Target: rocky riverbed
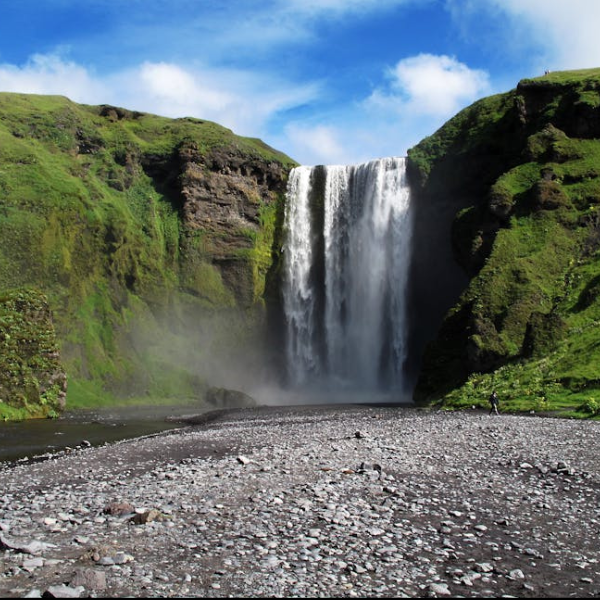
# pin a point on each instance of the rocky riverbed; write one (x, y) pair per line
(344, 501)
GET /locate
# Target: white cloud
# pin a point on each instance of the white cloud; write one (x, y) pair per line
(243, 101)
(422, 92)
(567, 30)
(426, 84)
(172, 91)
(541, 33)
(49, 74)
(256, 27)
(339, 7)
(314, 144)
(356, 136)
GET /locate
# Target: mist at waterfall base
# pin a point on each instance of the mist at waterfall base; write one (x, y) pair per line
(346, 261)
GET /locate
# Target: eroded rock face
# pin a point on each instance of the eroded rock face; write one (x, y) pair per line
(227, 199)
(574, 116)
(226, 398)
(151, 235)
(224, 190)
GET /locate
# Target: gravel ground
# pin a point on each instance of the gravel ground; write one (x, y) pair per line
(337, 501)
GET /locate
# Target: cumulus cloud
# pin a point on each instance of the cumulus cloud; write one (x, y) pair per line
(173, 91)
(352, 138)
(421, 92)
(243, 101)
(50, 74)
(432, 85)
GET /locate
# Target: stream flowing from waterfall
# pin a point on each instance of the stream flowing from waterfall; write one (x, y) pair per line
(346, 260)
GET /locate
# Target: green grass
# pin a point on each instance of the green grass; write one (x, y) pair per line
(575, 77)
(84, 394)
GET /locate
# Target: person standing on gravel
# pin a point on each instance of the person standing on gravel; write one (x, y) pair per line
(494, 403)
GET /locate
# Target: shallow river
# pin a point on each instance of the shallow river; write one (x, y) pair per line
(37, 437)
(95, 426)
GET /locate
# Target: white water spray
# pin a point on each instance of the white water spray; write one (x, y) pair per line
(346, 265)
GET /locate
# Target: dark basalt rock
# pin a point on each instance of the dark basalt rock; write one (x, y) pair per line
(225, 398)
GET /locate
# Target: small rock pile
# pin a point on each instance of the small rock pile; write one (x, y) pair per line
(341, 501)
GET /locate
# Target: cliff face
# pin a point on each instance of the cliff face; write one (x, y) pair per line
(234, 202)
(155, 241)
(507, 220)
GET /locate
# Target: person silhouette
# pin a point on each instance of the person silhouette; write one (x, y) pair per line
(494, 403)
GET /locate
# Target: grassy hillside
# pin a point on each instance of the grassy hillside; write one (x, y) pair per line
(522, 171)
(93, 206)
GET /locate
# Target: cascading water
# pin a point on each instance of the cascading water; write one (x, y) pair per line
(346, 265)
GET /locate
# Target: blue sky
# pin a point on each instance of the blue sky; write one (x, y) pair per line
(325, 81)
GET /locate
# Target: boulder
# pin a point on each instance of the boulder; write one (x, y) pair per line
(225, 398)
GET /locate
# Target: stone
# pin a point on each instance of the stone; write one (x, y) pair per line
(516, 574)
(119, 508)
(91, 579)
(147, 517)
(456, 525)
(30, 564)
(439, 590)
(63, 591)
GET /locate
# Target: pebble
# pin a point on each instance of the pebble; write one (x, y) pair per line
(299, 502)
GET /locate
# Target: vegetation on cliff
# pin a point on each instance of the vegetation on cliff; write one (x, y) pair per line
(521, 171)
(32, 379)
(152, 239)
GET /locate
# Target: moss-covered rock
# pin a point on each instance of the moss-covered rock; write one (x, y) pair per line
(515, 179)
(544, 333)
(33, 382)
(540, 145)
(548, 195)
(226, 398)
(501, 200)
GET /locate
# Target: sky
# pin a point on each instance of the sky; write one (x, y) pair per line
(325, 81)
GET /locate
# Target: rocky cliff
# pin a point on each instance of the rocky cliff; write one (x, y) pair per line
(507, 249)
(155, 241)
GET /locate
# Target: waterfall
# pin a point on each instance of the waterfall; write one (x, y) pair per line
(345, 269)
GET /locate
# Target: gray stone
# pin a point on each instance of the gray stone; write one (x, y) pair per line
(64, 591)
(91, 579)
(439, 590)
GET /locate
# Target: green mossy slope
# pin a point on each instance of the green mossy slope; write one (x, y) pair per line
(521, 171)
(93, 203)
